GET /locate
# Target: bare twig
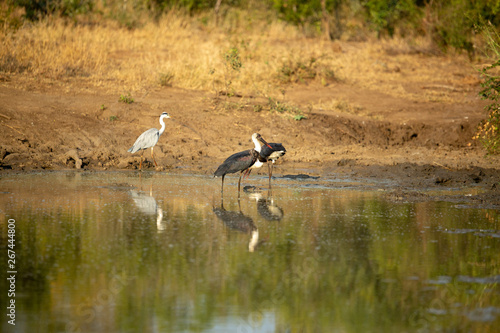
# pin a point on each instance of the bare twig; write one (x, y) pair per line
(12, 128)
(442, 166)
(442, 86)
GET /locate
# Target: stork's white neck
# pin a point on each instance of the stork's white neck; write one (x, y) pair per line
(253, 241)
(256, 143)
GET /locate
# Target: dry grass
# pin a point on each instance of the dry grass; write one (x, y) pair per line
(191, 55)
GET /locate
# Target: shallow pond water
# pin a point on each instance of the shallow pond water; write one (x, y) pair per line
(152, 252)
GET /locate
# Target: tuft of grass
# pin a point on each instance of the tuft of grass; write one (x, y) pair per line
(127, 99)
(297, 70)
(300, 69)
(345, 106)
(165, 79)
(113, 118)
(257, 108)
(285, 108)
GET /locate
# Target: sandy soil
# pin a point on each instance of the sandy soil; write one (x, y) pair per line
(414, 144)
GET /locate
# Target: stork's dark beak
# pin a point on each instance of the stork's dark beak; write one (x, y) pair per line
(264, 142)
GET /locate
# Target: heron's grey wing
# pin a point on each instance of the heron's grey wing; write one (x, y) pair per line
(144, 202)
(146, 140)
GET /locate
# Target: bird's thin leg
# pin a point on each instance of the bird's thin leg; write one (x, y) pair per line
(222, 188)
(152, 155)
(247, 173)
(142, 156)
(270, 171)
(239, 183)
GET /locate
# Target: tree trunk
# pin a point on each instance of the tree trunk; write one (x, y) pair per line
(325, 22)
(216, 9)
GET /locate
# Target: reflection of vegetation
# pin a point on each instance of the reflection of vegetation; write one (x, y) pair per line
(352, 262)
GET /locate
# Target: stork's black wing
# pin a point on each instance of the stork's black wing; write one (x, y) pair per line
(235, 220)
(237, 162)
(277, 150)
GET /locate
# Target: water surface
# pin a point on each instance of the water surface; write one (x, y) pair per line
(152, 252)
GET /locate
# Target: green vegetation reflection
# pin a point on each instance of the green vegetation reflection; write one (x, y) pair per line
(334, 260)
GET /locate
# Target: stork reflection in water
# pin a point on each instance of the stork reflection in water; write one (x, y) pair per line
(236, 220)
(267, 208)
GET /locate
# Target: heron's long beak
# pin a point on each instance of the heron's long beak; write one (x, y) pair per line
(264, 142)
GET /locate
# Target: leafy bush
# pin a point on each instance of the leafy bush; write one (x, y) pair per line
(447, 23)
(488, 132)
(302, 69)
(386, 15)
(298, 12)
(127, 99)
(36, 9)
(286, 108)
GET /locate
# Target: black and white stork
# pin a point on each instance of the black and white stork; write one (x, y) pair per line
(242, 161)
(270, 153)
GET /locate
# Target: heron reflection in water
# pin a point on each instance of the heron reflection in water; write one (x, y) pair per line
(147, 205)
(236, 220)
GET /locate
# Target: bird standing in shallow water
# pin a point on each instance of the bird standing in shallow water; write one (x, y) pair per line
(241, 161)
(270, 154)
(149, 139)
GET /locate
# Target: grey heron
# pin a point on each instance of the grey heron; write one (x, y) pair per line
(241, 161)
(149, 139)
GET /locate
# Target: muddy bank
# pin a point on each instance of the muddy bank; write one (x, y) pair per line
(405, 147)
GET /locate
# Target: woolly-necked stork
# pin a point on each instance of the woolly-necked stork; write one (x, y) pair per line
(242, 161)
(270, 154)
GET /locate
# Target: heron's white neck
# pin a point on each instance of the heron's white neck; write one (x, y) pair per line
(162, 129)
(159, 220)
(256, 143)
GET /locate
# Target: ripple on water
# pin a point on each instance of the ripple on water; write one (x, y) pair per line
(483, 315)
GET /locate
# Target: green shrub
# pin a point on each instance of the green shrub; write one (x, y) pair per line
(448, 23)
(298, 12)
(127, 99)
(386, 15)
(285, 108)
(488, 131)
(36, 9)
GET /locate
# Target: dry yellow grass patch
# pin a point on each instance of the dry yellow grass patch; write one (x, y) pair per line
(180, 51)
